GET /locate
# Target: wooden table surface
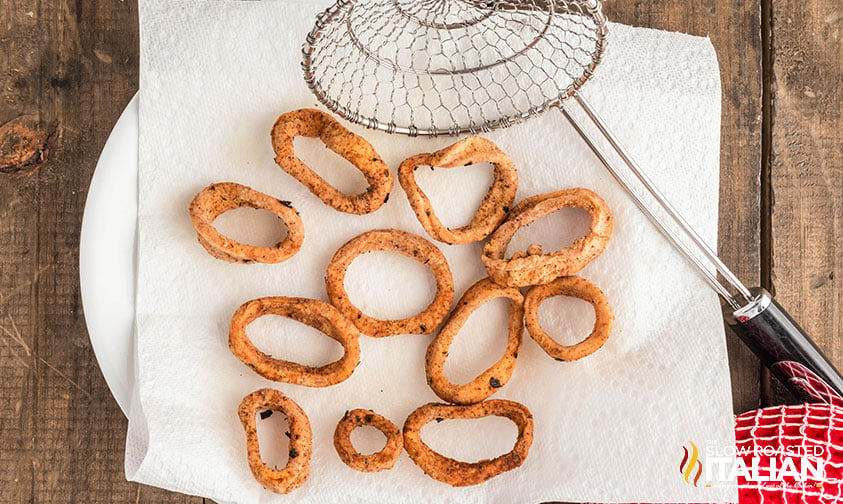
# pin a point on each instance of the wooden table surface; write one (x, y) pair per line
(67, 69)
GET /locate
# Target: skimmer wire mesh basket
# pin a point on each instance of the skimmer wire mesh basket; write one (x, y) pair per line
(430, 67)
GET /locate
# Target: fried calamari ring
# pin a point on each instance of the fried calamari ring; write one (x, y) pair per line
(355, 149)
(573, 286)
(535, 268)
(221, 197)
(294, 474)
(455, 472)
(317, 314)
(379, 461)
(495, 205)
(499, 373)
(416, 248)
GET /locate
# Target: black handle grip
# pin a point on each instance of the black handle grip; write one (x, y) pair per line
(781, 345)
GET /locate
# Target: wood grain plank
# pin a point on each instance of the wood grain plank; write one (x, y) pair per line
(735, 31)
(68, 68)
(807, 169)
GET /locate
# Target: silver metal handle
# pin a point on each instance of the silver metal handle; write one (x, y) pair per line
(687, 240)
(761, 323)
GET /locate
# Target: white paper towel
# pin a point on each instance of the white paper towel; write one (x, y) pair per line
(610, 428)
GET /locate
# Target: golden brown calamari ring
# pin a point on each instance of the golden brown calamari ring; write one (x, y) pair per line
(495, 204)
(573, 286)
(534, 267)
(499, 373)
(413, 246)
(354, 148)
(221, 197)
(294, 474)
(457, 473)
(317, 314)
(382, 460)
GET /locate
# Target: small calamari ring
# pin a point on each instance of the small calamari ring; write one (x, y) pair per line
(573, 286)
(499, 373)
(382, 460)
(495, 204)
(221, 197)
(413, 246)
(294, 474)
(534, 267)
(457, 473)
(317, 314)
(354, 148)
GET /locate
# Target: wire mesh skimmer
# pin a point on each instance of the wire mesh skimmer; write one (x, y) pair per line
(448, 67)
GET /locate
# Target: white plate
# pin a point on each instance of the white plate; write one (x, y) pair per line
(107, 254)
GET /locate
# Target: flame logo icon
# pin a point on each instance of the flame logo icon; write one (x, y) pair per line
(691, 462)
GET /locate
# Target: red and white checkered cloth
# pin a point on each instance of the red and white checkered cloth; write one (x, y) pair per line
(777, 431)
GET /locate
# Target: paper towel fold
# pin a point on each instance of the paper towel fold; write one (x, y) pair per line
(609, 428)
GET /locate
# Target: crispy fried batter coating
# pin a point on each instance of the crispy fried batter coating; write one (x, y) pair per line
(317, 314)
(573, 286)
(413, 246)
(535, 268)
(455, 472)
(221, 197)
(495, 204)
(354, 148)
(499, 373)
(382, 460)
(294, 474)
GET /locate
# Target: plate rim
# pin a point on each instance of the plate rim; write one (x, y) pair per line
(107, 253)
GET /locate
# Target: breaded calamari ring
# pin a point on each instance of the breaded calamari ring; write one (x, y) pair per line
(221, 197)
(457, 473)
(294, 474)
(413, 246)
(354, 148)
(382, 460)
(317, 314)
(497, 375)
(573, 286)
(534, 267)
(495, 204)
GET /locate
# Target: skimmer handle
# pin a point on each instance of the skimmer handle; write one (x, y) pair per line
(784, 347)
(759, 321)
